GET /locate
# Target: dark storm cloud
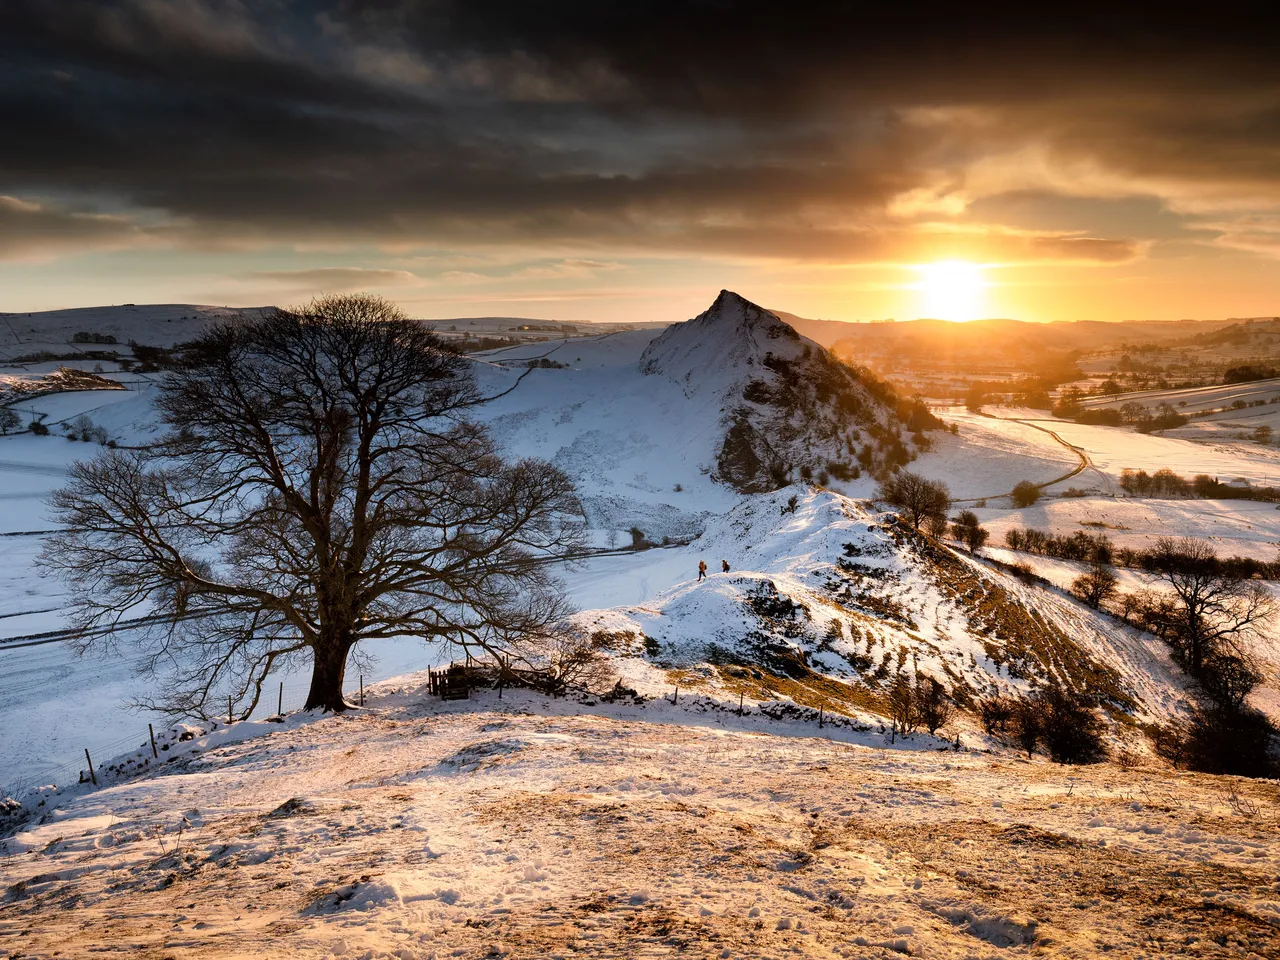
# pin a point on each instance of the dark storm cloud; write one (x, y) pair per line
(741, 129)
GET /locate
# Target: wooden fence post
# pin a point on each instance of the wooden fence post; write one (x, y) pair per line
(152, 732)
(280, 701)
(229, 718)
(740, 695)
(362, 689)
(92, 776)
(820, 718)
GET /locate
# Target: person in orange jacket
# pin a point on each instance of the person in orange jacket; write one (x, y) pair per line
(702, 569)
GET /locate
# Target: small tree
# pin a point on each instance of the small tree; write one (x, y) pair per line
(1238, 742)
(1025, 724)
(1214, 608)
(916, 498)
(1025, 494)
(1099, 584)
(902, 706)
(967, 530)
(9, 420)
(997, 714)
(933, 705)
(1069, 728)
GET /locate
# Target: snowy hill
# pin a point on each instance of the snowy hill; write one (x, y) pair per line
(661, 429)
(822, 589)
(153, 324)
(416, 829)
(787, 407)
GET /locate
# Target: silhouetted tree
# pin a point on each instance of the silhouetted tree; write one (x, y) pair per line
(932, 704)
(968, 531)
(1099, 584)
(320, 485)
(916, 498)
(1215, 608)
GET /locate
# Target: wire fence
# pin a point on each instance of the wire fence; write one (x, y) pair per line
(288, 696)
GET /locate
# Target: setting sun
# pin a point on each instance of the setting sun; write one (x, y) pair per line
(951, 290)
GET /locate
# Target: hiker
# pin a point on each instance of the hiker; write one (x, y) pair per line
(702, 569)
(724, 566)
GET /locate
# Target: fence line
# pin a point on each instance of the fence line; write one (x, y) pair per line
(290, 700)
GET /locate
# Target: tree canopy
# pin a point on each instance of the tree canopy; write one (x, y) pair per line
(320, 484)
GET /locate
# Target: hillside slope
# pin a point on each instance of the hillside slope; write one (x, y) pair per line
(823, 589)
(416, 829)
(788, 408)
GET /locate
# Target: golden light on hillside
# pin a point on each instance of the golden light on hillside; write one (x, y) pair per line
(951, 290)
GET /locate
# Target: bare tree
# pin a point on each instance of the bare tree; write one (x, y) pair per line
(933, 705)
(969, 531)
(1099, 584)
(1215, 610)
(319, 485)
(902, 704)
(919, 500)
(9, 420)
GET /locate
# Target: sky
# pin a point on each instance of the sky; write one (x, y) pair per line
(624, 161)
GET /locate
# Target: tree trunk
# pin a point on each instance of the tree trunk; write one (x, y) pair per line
(329, 667)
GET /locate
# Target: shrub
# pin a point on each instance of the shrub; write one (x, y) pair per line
(1025, 494)
(38, 428)
(1068, 727)
(902, 707)
(967, 530)
(1097, 586)
(996, 713)
(932, 704)
(1220, 740)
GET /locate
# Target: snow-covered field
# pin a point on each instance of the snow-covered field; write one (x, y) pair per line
(524, 828)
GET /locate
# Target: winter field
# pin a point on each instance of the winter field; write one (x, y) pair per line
(491, 827)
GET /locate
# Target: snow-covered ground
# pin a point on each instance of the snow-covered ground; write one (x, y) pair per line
(524, 827)
(640, 448)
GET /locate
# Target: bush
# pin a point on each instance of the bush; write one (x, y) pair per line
(996, 714)
(1097, 586)
(1220, 740)
(38, 428)
(933, 705)
(1025, 494)
(1070, 730)
(1061, 722)
(967, 530)
(902, 707)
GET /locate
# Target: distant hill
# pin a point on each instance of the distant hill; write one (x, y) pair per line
(980, 335)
